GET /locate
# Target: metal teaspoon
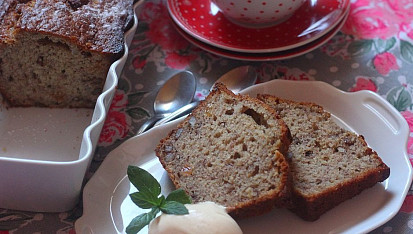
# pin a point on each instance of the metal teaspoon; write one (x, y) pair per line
(236, 80)
(175, 93)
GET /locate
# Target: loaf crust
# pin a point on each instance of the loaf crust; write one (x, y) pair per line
(328, 164)
(229, 150)
(57, 53)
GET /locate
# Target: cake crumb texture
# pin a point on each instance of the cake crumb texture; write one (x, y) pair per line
(328, 163)
(229, 151)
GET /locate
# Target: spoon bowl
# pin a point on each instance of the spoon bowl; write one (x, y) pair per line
(177, 91)
(236, 80)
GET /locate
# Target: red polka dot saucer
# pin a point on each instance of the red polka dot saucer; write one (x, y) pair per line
(280, 55)
(203, 21)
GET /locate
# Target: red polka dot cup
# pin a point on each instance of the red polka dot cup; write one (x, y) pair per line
(258, 13)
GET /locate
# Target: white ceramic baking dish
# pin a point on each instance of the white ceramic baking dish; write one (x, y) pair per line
(45, 153)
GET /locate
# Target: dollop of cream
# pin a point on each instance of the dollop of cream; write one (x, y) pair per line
(205, 217)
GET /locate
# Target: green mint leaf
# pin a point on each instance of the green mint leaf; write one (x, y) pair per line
(145, 200)
(161, 201)
(141, 221)
(173, 207)
(143, 181)
(149, 196)
(180, 196)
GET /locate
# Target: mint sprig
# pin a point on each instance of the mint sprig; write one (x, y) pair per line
(149, 197)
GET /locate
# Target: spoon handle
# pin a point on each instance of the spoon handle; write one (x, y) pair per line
(148, 124)
(178, 113)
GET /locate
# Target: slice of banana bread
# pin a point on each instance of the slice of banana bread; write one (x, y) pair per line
(328, 164)
(229, 151)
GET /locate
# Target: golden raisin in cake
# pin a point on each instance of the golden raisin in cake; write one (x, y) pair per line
(229, 151)
(57, 53)
(328, 164)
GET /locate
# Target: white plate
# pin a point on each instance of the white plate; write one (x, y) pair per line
(45, 152)
(108, 208)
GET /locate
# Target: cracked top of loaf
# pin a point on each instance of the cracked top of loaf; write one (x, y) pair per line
(95, 25)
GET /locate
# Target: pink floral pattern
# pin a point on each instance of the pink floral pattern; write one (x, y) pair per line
(178, 61)
(161, 38)
(370, 23)
(374, 48)
(383, 27)
(408, 115)
(385, 62)
(139, 62)
(364, 83)
(407, 206)
(379, 19)
(116, 124)
(403, 9)
(269, 72)
(293, 74)
(162, 33)
(337, 46)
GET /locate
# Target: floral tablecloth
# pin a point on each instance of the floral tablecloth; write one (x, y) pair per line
(373, 51)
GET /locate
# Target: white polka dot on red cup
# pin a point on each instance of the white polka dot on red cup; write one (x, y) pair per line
(259, 14)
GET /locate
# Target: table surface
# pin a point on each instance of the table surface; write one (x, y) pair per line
(373, 51)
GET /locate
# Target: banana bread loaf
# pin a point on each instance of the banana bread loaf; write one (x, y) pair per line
(57, 53)
(229, 151)
(328, 164)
